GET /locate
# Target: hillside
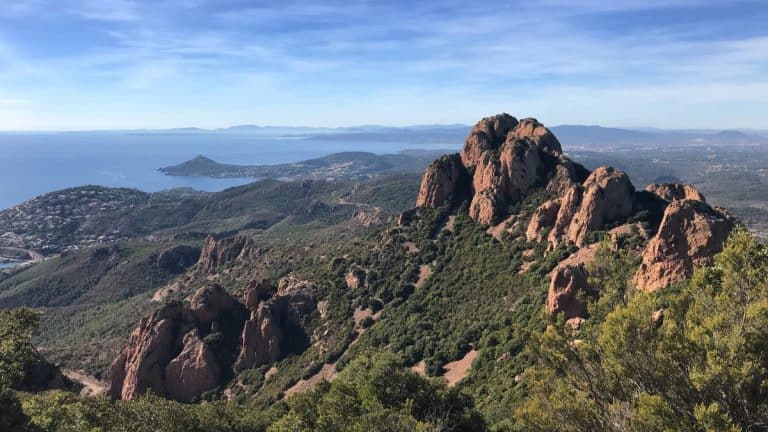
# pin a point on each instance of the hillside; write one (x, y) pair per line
(518, 279)
(348, 165)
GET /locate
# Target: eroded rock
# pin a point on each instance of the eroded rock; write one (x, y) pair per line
(675, 191)
(690, 234)
(568, 289)
(441, 181)
(216, 253)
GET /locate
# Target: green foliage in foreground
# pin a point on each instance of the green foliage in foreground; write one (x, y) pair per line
(376, 394)
(704, 367)
(16, 353)
(372, 394)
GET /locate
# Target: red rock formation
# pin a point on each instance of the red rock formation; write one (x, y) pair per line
(440, 181)
(141, 365)
(260, 339)
(216, 253)
(211, 302)
(675, 191)
(263, 334)
(543, 217)
(567, 288)
(193, 372)
(531, 128)
(488, 134)
(690, 234)
(257, 292)
(507, 160)
(166, 353)
(606, 196)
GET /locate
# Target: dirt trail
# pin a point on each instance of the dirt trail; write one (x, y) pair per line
(455, 371)
(425, 271)
(91, 385)
(328, 371)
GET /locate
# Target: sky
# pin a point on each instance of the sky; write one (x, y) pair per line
(118, 64)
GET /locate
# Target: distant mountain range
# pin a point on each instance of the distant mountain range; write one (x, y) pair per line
(571, 136)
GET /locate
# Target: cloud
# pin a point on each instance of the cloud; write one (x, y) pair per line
(12, 101)
(108, 10)
(428, 56)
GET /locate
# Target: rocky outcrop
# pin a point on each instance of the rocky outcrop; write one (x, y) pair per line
(261, 338)
(257, 292)
(212, 302)
(193, 372)
(141, 365)
(217, 253)
(441, 181)
(487, 135)
(184, 350)
(606, 197)
(178, 258)
(355, 278)
(543, 217)
(690, 234)
(568, 290)
(503, 161)
(675, 191)
(273, 321)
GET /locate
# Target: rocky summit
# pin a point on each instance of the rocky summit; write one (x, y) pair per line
(505, 160)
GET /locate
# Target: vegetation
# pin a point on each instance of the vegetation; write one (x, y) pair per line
(701, 366)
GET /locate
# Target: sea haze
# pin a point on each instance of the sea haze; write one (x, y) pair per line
(35, 163)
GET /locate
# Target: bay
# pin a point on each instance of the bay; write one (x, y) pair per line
(32, 164)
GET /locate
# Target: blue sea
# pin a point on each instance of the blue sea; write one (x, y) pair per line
(32, 164)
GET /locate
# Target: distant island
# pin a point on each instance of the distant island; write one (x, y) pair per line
(345, 165)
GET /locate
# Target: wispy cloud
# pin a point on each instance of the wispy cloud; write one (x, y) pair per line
(108, 10)
(427, 56)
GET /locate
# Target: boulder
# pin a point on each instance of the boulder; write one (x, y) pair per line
(690, 234)
(568, 286)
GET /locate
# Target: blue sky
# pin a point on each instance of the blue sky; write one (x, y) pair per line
(98, 64)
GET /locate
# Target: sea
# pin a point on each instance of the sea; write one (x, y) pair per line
(32, 164)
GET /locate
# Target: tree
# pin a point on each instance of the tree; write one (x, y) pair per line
(703, 367)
